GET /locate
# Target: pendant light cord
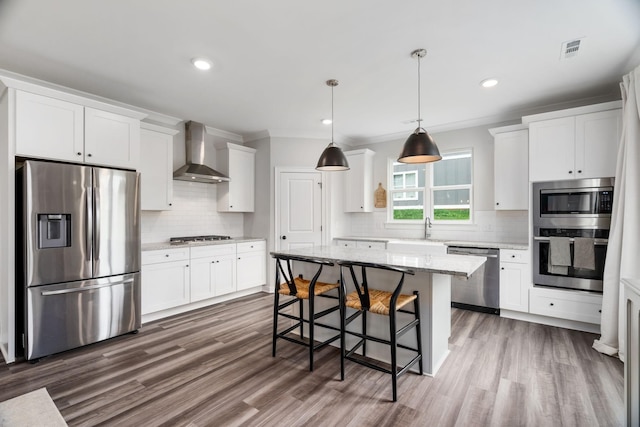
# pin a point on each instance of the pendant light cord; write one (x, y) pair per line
(419, 114)
(332, 114)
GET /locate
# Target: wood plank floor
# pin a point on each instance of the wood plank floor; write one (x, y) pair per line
(213, 367)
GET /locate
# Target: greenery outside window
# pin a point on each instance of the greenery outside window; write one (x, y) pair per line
(446, 197)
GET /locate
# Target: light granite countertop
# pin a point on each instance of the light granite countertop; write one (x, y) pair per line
(464, 243)
(455, 265)
(167, 245)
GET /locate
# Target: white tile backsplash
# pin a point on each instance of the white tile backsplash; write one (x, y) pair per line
(194, 213)
(489, 226)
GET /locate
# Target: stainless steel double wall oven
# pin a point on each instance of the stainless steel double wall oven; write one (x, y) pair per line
(571, 209)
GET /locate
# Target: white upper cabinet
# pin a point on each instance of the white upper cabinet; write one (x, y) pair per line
(358, 188)
(238, 163)
(111, 139)
(156, 167)
(574, 147)
(49, 128)
(57, 129)
(511, 168)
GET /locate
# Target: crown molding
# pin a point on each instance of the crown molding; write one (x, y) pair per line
(224, 134)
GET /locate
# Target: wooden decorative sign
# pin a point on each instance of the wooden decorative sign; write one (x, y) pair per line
(380, 197)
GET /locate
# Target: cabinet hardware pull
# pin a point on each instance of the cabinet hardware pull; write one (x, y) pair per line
(513, 256)
(570, 171)
(551, 304)
(89, 155)
(502, 268)
(79, 153)
(579, 171)
(167, 255)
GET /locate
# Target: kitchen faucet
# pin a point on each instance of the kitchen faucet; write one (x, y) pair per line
(427, 228)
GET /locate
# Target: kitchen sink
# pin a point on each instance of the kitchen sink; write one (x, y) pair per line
(419, 246)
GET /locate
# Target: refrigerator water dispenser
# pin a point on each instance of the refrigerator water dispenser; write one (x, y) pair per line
(54, 231)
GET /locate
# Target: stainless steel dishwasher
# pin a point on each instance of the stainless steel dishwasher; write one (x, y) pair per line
(481, 291)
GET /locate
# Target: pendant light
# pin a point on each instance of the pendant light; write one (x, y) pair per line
(419, 147)
(332, 158)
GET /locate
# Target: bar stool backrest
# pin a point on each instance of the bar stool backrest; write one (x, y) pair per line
(287, 274)
(362, 287)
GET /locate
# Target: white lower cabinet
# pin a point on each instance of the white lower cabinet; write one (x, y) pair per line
(515, 275)
(213, 271)
(165, 279)
(251, 265)
(580, 306)
(179, 277)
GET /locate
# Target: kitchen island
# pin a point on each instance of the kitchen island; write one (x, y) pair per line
(432, 279)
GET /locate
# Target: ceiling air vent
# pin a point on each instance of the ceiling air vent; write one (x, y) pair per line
(570, 49)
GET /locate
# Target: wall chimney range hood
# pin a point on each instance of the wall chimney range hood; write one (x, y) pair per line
(195, 170)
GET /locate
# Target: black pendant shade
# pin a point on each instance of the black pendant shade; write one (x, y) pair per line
(332, 159)
(419, 148)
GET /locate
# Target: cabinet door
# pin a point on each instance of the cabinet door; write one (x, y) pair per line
(156, 170)
(225, 275)
(202, 278)
(511, 170)
(552, 149)
(514, 292)
(251, 268)
(49, 128)
(164, 285)
(241, 186)
(597, 140)
(358, 184)
(111, 139)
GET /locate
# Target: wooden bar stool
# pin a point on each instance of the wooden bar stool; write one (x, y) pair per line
(364, 299)
(301, 289)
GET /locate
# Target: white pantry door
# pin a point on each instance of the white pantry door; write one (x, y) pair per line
(299, 210)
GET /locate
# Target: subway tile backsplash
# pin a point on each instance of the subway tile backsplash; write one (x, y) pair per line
(489, 226)
(194, 213)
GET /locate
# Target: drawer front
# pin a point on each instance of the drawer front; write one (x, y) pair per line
(260, 245)
(165, 255)
(346, 243)
(512, 255)
(371, 245)
(213, 250)
(565, 307)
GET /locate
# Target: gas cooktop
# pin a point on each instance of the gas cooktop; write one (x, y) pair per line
(189, 239)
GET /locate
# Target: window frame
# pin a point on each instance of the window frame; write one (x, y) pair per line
(428, 192)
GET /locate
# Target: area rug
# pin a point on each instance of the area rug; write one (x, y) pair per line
(31, 409)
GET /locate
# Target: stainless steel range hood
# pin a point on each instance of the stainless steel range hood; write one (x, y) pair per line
(195, 170)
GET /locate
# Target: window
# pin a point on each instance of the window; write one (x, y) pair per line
(445, 198)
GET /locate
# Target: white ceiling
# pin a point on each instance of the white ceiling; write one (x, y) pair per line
(272, 58)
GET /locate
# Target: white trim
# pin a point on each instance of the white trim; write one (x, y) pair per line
(40, 87)
(160, 129)
(613, 105)
(224, 134)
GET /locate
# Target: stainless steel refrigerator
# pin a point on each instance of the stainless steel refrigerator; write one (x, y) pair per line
(78, 255)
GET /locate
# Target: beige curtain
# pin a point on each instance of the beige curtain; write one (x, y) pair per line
(623, 260)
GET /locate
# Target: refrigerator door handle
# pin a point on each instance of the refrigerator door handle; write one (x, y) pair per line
(96, 225)
(89, 224)
(86, 288)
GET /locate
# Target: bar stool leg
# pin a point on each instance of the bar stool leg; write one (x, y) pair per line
(311, 329)
(364, 332)
(416, 308)
(276, 300)
(394, 351)
(301, 323)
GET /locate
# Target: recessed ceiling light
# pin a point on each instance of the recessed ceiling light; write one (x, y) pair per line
(326, 121)
(201, 63)
(489, 82)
